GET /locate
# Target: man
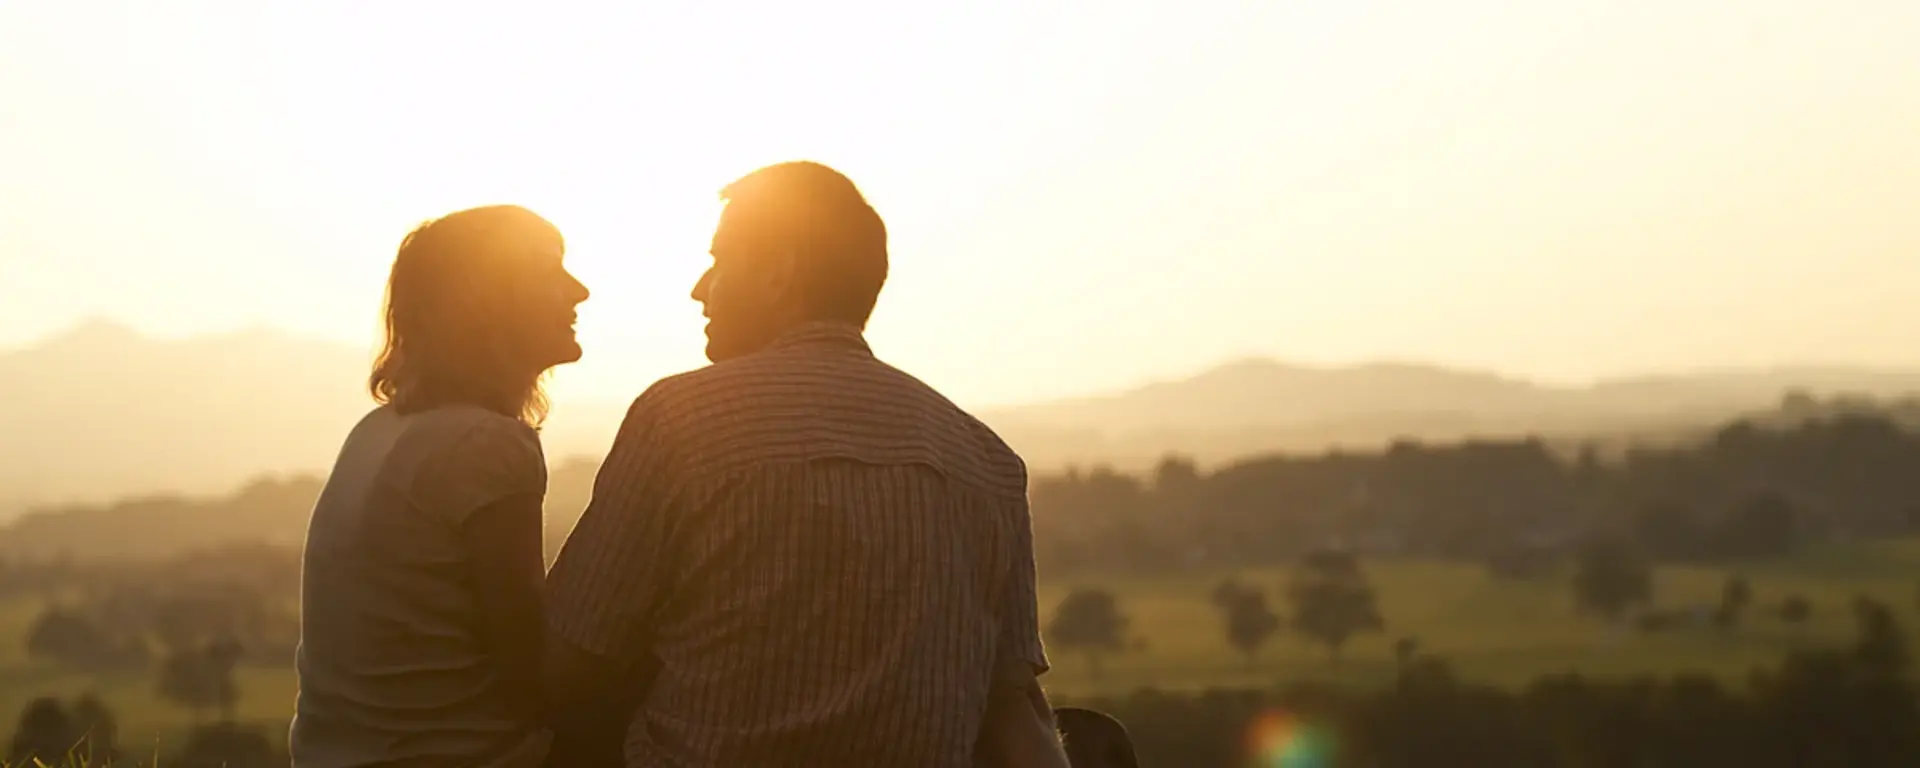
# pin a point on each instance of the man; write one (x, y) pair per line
(799, 555)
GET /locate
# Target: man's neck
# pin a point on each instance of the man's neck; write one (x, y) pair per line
(822, 333)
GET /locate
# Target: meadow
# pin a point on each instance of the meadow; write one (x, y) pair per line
(1499, 631)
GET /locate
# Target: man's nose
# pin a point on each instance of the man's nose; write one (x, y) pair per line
(702, 286)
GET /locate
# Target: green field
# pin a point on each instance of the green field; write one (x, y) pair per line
(1503, 632)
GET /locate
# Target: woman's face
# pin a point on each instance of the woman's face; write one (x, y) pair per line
(546, 296)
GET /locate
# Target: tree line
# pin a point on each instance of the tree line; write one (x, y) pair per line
(1753, 488)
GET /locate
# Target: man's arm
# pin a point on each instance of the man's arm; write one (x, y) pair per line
(609, 578)
(1018, 730)
(504, 538)
(598, 701)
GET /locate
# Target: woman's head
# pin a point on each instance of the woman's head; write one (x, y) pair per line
(479, 307)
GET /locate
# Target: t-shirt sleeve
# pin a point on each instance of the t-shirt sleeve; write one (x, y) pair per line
(493, 458)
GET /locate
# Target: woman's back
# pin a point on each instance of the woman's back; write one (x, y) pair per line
(392, 665)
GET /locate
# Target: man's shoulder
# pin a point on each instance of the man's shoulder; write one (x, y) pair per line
(730, 386)
(700, 406)
(767, 378)
(674, 391)
(985, 446)
(1004, 462)
(707, 406)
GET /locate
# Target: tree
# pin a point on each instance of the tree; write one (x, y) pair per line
(1331, 600)
(1249, 622)
(202, 678)
(1882, 646)
(195, 618)
(1795, 610)
(1734, 598)
(1405, 650)
(1668, 530)
(81, 736)
(67, 637)
(1176, 475)
(1763, 526)
(1737, 593)
(1089, 621)
(45, 732)
(96, 725)
(1610, 575)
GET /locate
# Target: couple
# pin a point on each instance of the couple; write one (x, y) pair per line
(797, 556)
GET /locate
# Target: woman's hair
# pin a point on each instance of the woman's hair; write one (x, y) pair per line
(451, 323)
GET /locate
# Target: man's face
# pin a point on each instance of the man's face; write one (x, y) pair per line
(745, 294)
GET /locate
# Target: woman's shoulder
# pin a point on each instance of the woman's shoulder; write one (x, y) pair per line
(467, 434)
(469, 456)
(458, 421)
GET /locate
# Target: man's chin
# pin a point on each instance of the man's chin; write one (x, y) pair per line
(722, 349)
(727, 346)
(716, 344)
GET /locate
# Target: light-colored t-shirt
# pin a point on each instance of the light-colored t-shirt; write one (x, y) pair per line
(392, 668)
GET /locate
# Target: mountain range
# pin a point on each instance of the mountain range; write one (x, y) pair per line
(101, 411)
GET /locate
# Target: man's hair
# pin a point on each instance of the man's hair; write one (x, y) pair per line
(839, 241)
(449, 320)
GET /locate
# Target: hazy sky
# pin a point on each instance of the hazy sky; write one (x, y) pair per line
(1082, 195)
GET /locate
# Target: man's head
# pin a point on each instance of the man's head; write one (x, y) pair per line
(796, 243)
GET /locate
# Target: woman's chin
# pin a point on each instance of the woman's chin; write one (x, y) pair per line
(566, 353)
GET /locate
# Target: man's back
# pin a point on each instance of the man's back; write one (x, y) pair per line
(826, 560)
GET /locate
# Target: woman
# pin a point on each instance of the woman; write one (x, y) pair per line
(420, 594)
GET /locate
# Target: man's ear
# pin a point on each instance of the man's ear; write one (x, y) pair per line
(777, 273)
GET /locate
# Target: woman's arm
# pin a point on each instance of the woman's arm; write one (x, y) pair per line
(509, 574)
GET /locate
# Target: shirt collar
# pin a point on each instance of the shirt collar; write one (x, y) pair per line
(824, 334)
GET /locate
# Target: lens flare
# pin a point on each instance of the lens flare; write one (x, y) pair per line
(1278, 739)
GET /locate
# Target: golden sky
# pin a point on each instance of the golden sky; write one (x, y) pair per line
(1082, 195)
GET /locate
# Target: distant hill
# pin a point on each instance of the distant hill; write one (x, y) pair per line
(101, 412)
(1252, 406)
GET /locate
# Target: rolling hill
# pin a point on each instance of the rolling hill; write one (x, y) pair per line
(102, 412)
(1258, 405)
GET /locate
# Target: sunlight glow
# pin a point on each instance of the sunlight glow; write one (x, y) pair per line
(1325, 183)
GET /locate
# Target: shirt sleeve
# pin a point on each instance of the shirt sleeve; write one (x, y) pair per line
(492, 459)
(1019, 610)
(610, 576)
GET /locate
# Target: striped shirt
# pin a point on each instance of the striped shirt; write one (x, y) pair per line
(823, 555)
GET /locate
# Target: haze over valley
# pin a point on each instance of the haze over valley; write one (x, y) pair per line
(101, 411)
